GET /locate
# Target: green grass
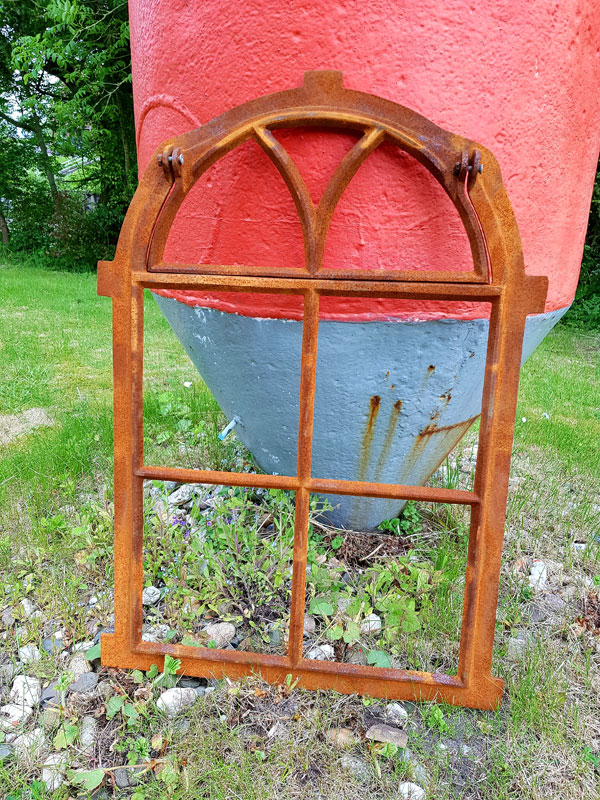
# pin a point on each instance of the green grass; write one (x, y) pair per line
(56, 543)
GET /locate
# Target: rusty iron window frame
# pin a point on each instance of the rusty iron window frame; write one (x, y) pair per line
(471, 177)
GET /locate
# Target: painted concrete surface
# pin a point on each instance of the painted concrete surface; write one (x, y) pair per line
(392, 398)
(521, 78)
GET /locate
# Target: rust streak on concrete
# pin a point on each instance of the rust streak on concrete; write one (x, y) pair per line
(367, 443)
(389, 438)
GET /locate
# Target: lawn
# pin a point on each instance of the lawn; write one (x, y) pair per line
(249, 740)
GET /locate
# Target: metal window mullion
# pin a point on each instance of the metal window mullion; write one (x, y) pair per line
(310, 332)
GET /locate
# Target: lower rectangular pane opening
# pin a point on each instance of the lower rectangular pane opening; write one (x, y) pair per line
(217, 566)
(390, 597)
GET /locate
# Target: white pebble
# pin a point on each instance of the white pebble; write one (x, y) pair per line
(150, 595)
(30, 747)
(81, 647)
(395, 712)
(78, 666)
(12, 715)
(88, 735)
(174, 701)
(371, 624)
(221, 633)
(28, 608)
(410, 791)
(25, 691)
(538, 574)
(53, 771)
(321, 652)
(29, 653)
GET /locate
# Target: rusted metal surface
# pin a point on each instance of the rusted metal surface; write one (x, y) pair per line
(471, 177)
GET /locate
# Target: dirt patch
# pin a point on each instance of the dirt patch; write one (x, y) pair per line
(14, 425)
(364, 547)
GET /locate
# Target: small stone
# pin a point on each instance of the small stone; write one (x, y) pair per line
(309, 624)
(150, 595)
(341, 737)
(30, 747)
(410, 791)
(538, 575)
(321, 652)
(396, 713)
(182, 495)
(50, 695)
(25, 691)
(8, 618)
(51, 644)
(102, 631)
(6, 751)
(387, 734)
(221, 633)
(121, 776)
(185, 682)
(104, 690)
(356, 766)
(28, 608)
(51, 718)
(174, 701)
(53, 771)
(78, 665)
(29, 653)
(579, 547)
(85, 684)
(9, 671)
(371, 624)
(88, 735)
(555, 603)
(465, 750)
(13, 715)
(83, 647)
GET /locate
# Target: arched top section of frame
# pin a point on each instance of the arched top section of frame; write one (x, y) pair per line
(468, 173)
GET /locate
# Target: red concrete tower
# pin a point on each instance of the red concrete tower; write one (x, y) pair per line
(522, 79)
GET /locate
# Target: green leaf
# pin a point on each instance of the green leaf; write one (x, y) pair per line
(321, 606)
(335, 633)
(337, 542)
(152, 672)
(93, 653)
(66, 736)
(172, 665)
(89, 780)
(138, 676)
(114, 705)
(378, 658)
(352, 633)
(388, 750)
(130, 712)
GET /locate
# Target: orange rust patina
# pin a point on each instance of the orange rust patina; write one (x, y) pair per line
(498, 278)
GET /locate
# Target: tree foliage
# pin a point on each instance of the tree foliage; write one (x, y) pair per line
(66, 113)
